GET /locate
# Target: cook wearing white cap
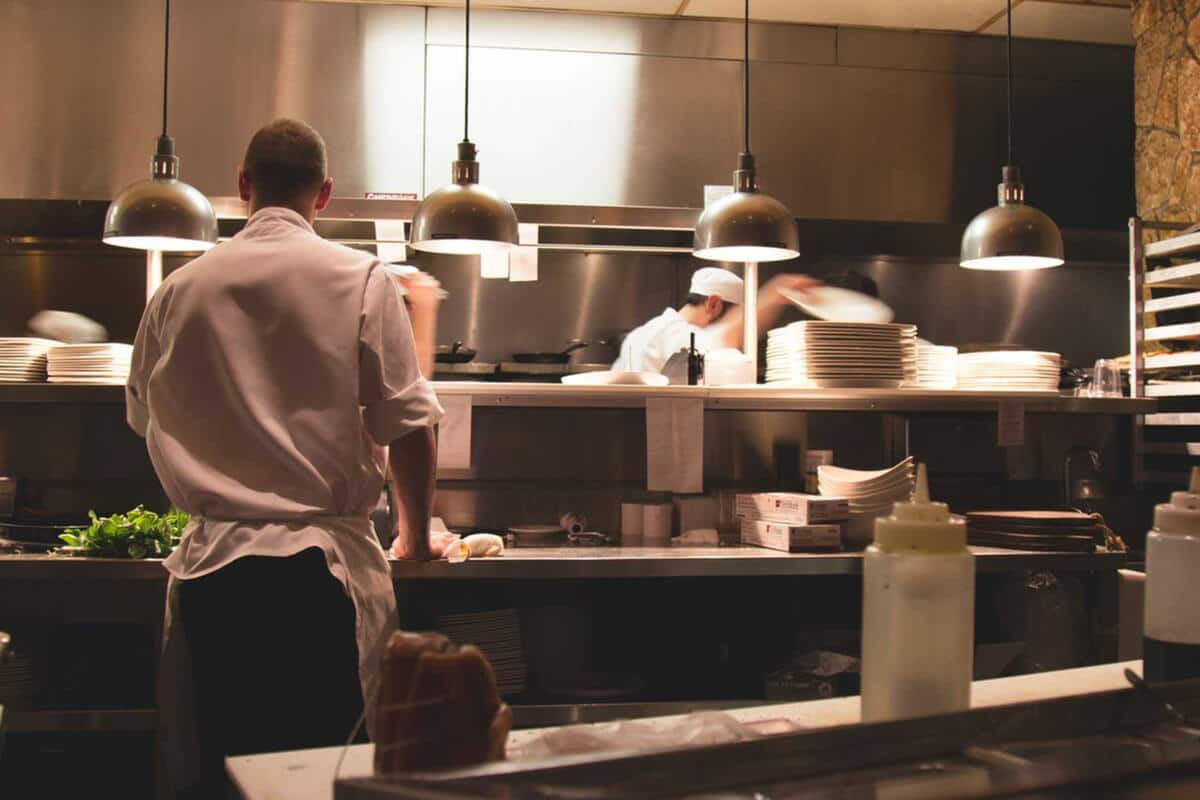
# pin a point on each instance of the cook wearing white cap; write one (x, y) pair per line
(712, 312)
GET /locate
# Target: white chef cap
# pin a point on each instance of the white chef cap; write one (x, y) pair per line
(721, 282)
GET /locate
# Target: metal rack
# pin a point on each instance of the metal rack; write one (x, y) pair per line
(1167, 442)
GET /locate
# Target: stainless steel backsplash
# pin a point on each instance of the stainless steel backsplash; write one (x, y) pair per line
(848, 123)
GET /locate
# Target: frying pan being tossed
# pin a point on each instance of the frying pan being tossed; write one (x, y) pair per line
(561, 357)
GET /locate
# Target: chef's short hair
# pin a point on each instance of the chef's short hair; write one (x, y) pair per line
(284, 162)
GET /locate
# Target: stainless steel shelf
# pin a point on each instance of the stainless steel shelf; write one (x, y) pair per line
(748, 398)
(769, 398)
(623, 217)
(82, 721)
(573, 563)
(564, 563)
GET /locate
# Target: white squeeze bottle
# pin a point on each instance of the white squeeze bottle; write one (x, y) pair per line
(1171, 643)
(918, 634)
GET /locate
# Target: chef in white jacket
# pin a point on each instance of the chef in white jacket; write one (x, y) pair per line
(712, 312)
(275, 380)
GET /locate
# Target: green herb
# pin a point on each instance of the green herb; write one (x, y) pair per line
(138, 534)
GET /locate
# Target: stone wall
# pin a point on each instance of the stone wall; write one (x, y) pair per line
(1167, 109)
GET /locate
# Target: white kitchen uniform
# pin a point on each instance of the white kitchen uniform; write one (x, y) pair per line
(268, 376)
(646, 349)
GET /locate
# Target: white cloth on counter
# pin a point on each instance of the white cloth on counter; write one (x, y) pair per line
(268, 377)
(694, 730)
(699, 537)
(477, 545)
(675, 445)
(647, 348)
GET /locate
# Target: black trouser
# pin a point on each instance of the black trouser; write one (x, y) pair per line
(274, 658)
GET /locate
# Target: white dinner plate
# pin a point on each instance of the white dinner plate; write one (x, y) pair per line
(839, 305)
(615, 378)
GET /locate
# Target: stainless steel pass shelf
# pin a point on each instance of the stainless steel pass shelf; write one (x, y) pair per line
(748, 398)
(771, 398)
(570, 563)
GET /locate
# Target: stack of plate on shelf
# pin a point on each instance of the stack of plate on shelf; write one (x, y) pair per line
(1009, 371)
(937, 366)
(870, 494)
(837, 355)
(23, 360)
(498, 635)
(89, 363)
(1035, 530)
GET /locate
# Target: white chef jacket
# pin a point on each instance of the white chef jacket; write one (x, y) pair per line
(647, 348)
(268, 376)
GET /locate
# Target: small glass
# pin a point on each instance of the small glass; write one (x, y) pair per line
(1106, 378)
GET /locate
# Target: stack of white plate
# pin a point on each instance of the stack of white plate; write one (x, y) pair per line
(89, 363)
(1009, 371)
(835, 355)
(937, 366)
(23, 360)
(870, 494)
(498, 635)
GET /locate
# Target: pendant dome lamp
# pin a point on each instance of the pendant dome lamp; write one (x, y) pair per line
(746, 226)
(1011, 236)
(161, 212)
(464, 218)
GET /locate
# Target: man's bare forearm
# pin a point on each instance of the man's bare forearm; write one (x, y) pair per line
(412, 468)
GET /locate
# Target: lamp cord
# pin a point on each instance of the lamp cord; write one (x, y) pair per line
(166, 62)
(1008, 68)
(746, 79)
(467, 75)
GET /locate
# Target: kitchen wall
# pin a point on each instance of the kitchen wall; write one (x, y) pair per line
(1167, 109)
(902, 129)
(850, 123)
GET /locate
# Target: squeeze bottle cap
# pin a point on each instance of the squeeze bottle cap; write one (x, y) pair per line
(921, 524)
(1182, 514)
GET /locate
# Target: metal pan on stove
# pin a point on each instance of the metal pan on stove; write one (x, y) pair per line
(560, 357)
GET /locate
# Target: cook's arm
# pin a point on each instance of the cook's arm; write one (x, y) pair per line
(771, 305)
(146, 352)
(412, 462)
(424, 296)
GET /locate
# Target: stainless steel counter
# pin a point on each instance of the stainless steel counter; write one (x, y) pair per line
(564, 563)
(757, 398)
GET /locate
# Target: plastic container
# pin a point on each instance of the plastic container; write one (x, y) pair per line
(918, 632)
(1171, 643)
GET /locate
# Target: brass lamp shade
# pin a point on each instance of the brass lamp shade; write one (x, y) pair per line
(746, 226)
(161, 212)
(1011, 235)
(464, 218)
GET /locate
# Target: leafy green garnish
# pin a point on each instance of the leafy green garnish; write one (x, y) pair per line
(138, 534)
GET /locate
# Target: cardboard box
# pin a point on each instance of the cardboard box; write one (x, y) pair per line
(791, 538)
(795, 509)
